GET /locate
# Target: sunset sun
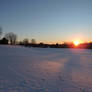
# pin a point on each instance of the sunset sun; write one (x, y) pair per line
(76, 43)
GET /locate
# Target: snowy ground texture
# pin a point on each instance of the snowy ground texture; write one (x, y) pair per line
(45, 70)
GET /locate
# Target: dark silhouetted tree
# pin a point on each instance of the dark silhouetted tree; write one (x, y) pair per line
(12, 38)
(33, 41)
(4, 41)
(25, 41)
(0, 32)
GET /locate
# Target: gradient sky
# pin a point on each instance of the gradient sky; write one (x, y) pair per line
(47, 20)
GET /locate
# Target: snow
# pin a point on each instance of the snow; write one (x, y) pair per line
(45, 69)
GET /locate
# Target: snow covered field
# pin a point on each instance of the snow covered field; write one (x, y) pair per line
(45, 70)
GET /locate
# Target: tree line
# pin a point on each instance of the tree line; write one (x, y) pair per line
(11, 39)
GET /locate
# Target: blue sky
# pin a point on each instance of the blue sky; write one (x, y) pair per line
(47, 20)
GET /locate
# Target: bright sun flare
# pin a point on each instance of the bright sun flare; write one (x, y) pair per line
(76, 43)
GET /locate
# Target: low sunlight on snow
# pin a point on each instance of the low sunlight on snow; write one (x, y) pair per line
(45, 69)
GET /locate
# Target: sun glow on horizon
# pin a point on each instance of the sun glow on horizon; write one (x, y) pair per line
(76, 42)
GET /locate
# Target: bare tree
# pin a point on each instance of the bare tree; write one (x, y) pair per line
(33, 41)
(25, 41)
(0, 32)
(12, 38)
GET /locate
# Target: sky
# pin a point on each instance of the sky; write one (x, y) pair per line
(47, 20)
